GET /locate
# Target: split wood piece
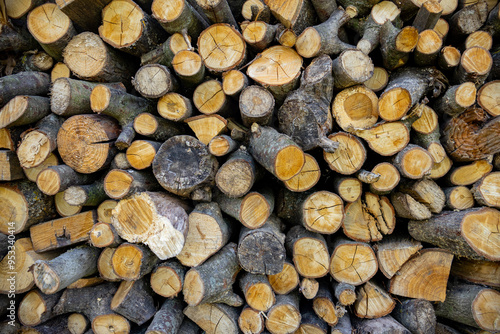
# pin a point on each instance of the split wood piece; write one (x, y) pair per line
(251, 321)
(69, 97)
(262, 250)
(256, 106)
(485, 190)
(94, 150)
(307, 178)
(413, 162)
(352, 262)
(379, 79)
(17, 39)
(278, 69)
(168, 319)
(468, 19)
(475, 66)
(174, 107)
(345, 293)
(238, 174)
(386, 138)
(343, 326)
(309, 252)
(222, 145)
(424, 276)
(10, 138)
(86, 195)
(408, 207)
(276, 152)
(36, 307)
(178, 16)
(155, 219)
(323, 38)
(165, 52)
(470, 173)
(428, 46)
(253, 10)
(94, 303)
(259, 35)
(448, 58)
(393, 253)
(428, 15)
(189, 67)
(477, 271)
(310, 323)
(324, 306)
(234, 82)
(121, 106)
(382, 12)
(155, 127)
(153, 81)
(55, 179)
(214, 318)
(141, 153)
(221, 47)
(297, 15)
(25, 257)
(369, 218)
(308, 287)
(51, 28)
(207, 127)
(350, 155)
(383, 325)
(487, 97)
(373, 301)
(407, 87)
(388, 180)
(60, 70)
(105, 266)
(104, 235)
(284, 317)
(105, 209)
(209, 98)
(417, 315)
(458, 198)
(479, 38)
(54, 275)
(38, 144)
(62, 232)
(286, 280)
(126, 27)
(426, 192)
(84, 15)
(469, 233)
(213, 280)
(305, 113)
(10, 169)
(89, 58)
(472, 305)
(22, 204)
(205, 219)
(167, 278)
(192, 166)
(134, 301)
(285, 36)
(63, 208)
(23, 110)
(317, 211)
(86, 282)
(473, 135)
(257, 291)
(132, 261)
(34, 61)
(355, 108)
(348, 188)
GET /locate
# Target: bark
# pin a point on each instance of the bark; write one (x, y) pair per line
(297, 17)
(417, 315)
(155, 127)
(134, 296)
(257, 291)
(34, 61)
(284, 316)
(86, 16)
(286, 280)
(384, 325)
(168, 319)
(179, 16)
(164, 53)
(483, 190)
(344, 292)
(373, 302)
(36, 307)
(23, 110)
(324, 305)
(256, 106)
(16, 39)
(55, 179)
(104, 235)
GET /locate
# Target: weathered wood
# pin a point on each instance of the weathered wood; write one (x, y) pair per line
(214, 318)
(324, 305)
(384, 325)
(164, 53)
(177, 16)
(477, 271)
(168, 319)
(484, 190)
(393, 252)
(251, 321)
(104, 235)
(134, 301)
(153, 81)
(373, 301)
(55, 179)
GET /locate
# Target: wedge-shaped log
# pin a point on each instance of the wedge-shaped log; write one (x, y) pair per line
(393, 252)
(373, 301)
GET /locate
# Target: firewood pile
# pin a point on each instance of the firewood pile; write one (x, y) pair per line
(259, 166)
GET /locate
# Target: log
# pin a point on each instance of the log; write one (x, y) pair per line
(167, 278)
(189, 67)
(141, 153)
(311, 323)
(475, 65)
(458, 198)
(218, 11)
(104, 235)
(155, 127)
(222, 145)
(78, 323)
(348, 188)
(417, 315)
(259, 35)
(84, 15)
(195, 170)
(86, 195)
(34, 61)
(54, 275)
(161, 223)
(386, 138)
(486, 97)
(206, 127)
(413, 162)
(23, 110)
(426, 192)
(238, 174)
(251, 321)
(27, 83)
(394, 252)
(177, 16)
(256, 105)
(36, 307)
(373, 301)
(388, 180)
(286, 280)
(350, 155)
(448, 57)
(427, 134)
(343, 326)
(55, 179)
(384, 325)
(62, 232)
(309, 252)
(212, 281)
(456, 231)
(168, 319)
(63, 208)
(307, 178)
(456, 100)
(308, 287)
(120, 183)
(214, 318)
(284, 316)
(205, 220)
(253, 9)
(257, 291)
(297, 16)
(262, 250)
(468, 19)
(60, 70)
(465, 304)
(469, 174)
(379, 79)
(105, 266)
(484, 190)
(153, 81)
(134, 301)
(324, 306)
(17, 39)
(477, 271)
(131, 262)
(355, 108)
(234, 82)
(345, 293)
(164, 53)
(428, 46)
